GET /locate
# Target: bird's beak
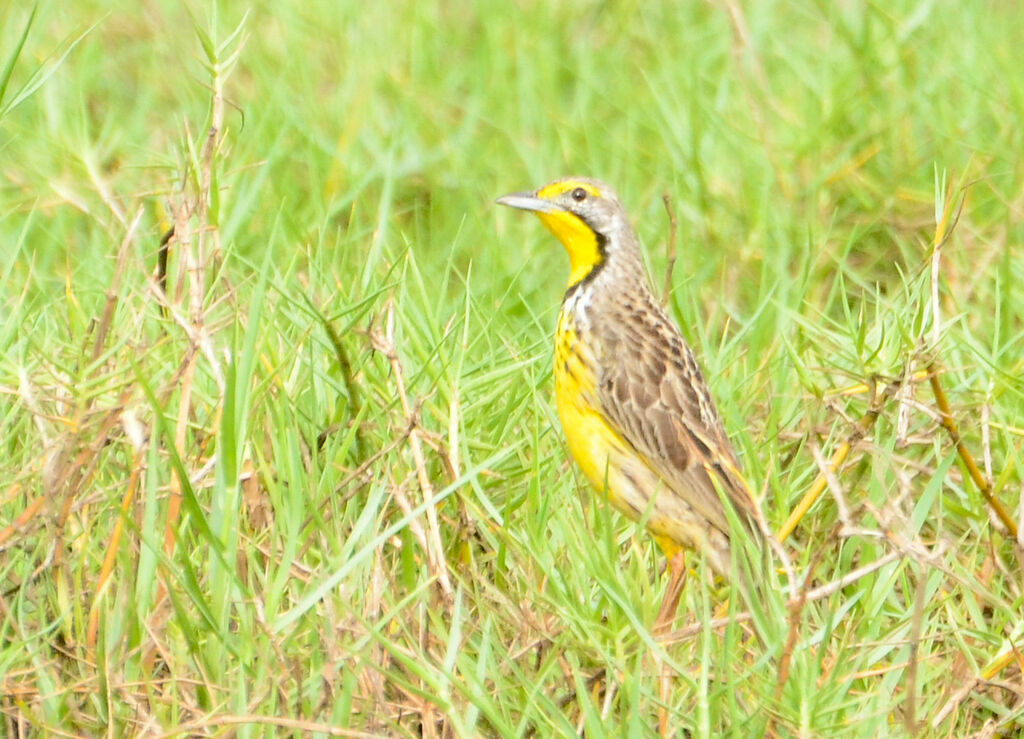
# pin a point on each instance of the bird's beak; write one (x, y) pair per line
(528, 201)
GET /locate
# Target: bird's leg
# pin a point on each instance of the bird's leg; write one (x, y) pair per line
(677, 576)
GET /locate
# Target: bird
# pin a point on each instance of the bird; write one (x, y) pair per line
(635, 409)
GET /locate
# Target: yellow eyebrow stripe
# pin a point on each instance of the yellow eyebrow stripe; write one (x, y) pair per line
(552, 191)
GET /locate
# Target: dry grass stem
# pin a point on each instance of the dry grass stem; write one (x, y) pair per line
(385, 344)
(670, 248)
(946, 416)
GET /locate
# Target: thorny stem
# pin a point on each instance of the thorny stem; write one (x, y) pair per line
(946, 418)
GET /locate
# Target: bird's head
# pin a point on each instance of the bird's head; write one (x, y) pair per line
(585, 215)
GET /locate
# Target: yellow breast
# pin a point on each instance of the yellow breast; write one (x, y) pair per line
(597, 448)
(607, 460)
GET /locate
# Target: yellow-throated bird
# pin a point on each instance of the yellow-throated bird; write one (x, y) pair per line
(634, 406)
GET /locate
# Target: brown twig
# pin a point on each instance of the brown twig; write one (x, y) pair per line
(115, 283)
(107, 569)
(418, 532)
(943, 230)
(385, 343)
(67, 462)
(351, 387)
(22, 520)
(819, 593)
(1013, 653)
(859, 431)
(183, 235)
(946, 418)
(670, 247)
(832, 483)
(76, 470)
(162, 256)
(910, 703)
(796, 607)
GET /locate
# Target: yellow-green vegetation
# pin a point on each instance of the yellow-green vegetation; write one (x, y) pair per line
(317, 486)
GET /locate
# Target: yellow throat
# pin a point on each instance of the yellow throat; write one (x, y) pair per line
(585, 247)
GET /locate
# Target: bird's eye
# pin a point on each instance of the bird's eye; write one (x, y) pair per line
(579, 194)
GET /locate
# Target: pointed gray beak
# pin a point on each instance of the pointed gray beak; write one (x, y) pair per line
(528, 201)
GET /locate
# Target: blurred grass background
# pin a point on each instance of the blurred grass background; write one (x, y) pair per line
(320, 489)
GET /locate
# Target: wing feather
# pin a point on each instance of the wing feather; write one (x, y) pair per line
(653, 392)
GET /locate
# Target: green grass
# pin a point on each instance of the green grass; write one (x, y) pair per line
(321, 488)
